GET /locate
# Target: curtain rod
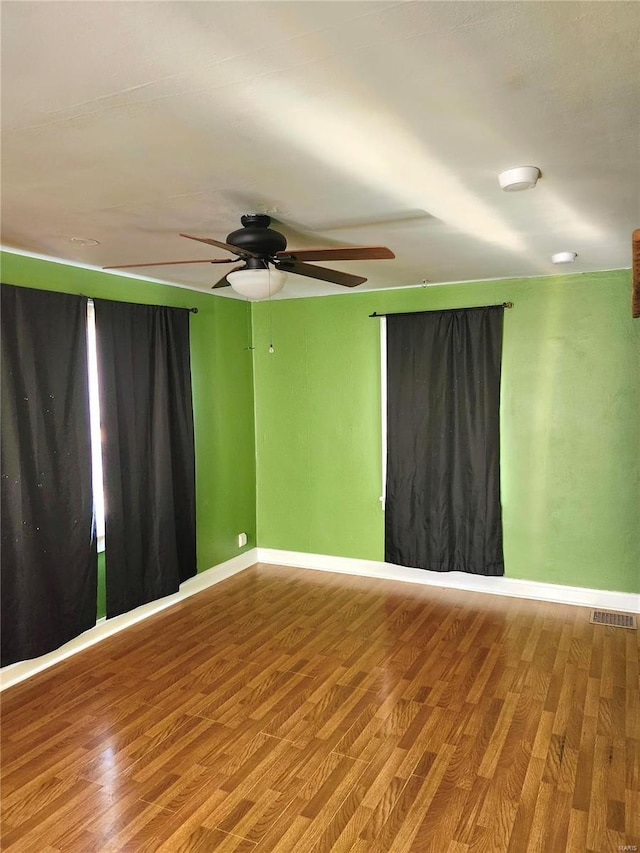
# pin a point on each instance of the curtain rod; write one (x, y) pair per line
(151, 305)
(429, 310)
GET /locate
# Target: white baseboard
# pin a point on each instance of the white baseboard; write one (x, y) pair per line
(17, 672)
(513, 587)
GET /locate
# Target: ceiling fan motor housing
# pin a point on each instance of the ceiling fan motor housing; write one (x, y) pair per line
(256, 236)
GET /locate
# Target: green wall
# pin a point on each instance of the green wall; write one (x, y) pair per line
(222, 393)
(570, 418)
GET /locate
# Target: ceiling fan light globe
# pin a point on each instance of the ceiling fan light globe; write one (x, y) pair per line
(257, 284)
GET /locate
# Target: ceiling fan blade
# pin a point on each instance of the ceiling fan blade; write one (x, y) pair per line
(243, 253)
(170, 263)
(322, 273)
(222, 282)
(339, 253)
(635, 305)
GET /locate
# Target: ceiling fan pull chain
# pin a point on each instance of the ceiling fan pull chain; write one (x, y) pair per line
(271, 349)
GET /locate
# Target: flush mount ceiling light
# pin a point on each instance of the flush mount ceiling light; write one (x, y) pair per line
(257, 283)
(520, 178)
(564, 257)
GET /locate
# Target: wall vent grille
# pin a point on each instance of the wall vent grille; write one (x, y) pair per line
(618, 620)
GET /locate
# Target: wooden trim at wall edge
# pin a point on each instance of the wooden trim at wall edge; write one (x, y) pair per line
(511, 587)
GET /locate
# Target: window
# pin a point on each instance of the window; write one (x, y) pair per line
(96, 432)
(383, 409)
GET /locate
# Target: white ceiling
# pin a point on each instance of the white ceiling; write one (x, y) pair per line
(353, 122)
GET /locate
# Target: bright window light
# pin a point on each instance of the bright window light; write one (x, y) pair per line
(383, 408)
(96, 432)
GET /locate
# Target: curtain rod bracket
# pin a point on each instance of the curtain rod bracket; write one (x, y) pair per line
(392, 314)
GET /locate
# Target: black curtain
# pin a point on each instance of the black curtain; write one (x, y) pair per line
(49, 560)
(148, 451)
(443, 508)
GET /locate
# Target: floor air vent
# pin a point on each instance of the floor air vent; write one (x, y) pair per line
(618, 620)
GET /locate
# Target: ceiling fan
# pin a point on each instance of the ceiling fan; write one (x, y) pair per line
(266, 260)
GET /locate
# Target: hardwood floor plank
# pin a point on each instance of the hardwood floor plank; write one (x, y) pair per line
(440, 819)
(63, 816)
(406, 819)
(498, 737)
(457, 847)
(577, 831)
(632, 815)
(202, 840)
(473, 807)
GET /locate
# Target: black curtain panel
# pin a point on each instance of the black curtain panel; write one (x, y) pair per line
(148, 451)
(443, 508)
(49, 561)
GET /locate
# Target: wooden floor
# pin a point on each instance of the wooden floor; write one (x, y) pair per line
(289, 710)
